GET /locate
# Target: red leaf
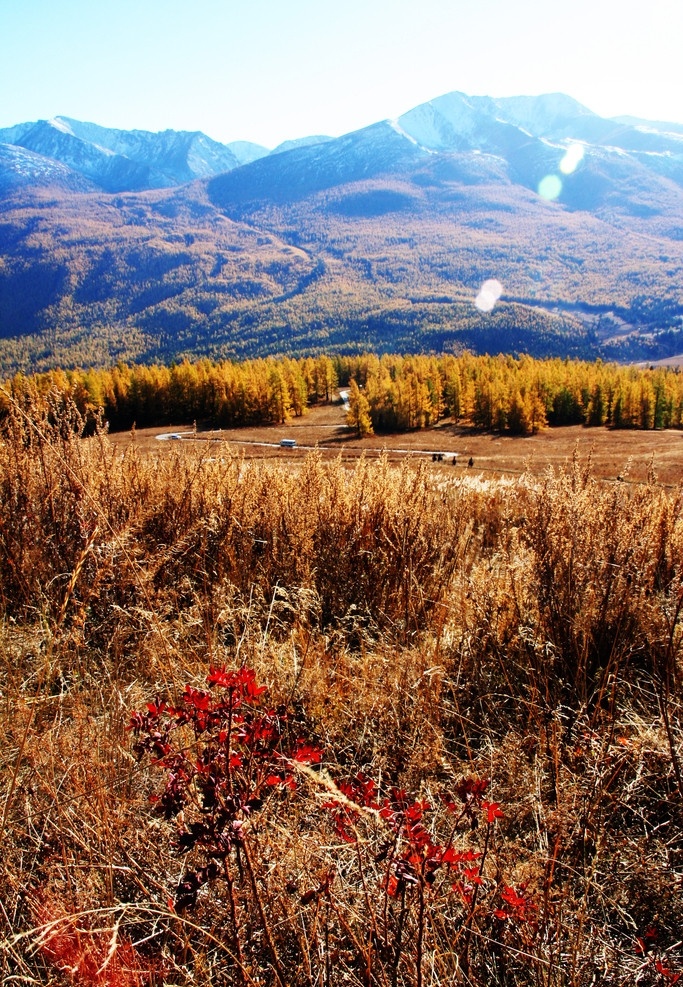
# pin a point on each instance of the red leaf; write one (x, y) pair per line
(307, 753)
(195, 697)
(647, 940)
(453, 856)
(472, 789)
(392, 886)
(219, 676)
(242, 680)
(492, 810)
(415, 811)
(512, 897)
(668, 974)
(472, 874)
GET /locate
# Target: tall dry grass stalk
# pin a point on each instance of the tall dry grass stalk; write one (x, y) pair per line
(428, 636)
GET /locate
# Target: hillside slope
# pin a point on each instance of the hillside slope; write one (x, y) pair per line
(378, 239)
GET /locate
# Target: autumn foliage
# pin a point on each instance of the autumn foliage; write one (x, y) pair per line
(87, 957)
(387, 394)
(307, 724)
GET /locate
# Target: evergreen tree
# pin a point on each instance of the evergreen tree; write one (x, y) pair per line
(280, 401)
(358, 415)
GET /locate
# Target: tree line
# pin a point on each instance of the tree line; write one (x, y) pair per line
(388, 393)
(224, 394)
(504, 394)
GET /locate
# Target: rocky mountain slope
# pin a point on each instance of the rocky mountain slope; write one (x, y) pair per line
(129, 160)
(380, 238)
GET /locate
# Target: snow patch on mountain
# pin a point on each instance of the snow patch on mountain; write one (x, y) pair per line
(300, 142)
(247, 151)
(60, 124)
(446, 123)
(519, 130)
(396, 126)
(20, 167)
(540, 115)
(126, 160)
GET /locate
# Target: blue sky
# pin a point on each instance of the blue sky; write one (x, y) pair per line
(270, 70)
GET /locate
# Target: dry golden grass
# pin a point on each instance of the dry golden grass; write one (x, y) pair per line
(422, 629)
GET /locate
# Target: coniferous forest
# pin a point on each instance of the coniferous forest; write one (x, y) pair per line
(503, 394)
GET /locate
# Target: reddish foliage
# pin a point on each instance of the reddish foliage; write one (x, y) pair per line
(517, 907)
(492, 810)
(647, 941)
(669, 976)
(87, 957)
(243, 751)
(413, 857)
(469, 793)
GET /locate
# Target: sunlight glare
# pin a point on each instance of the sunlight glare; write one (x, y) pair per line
(572, 159)
(489, 293)
(550, 187)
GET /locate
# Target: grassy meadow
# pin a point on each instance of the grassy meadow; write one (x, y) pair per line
(319, 723)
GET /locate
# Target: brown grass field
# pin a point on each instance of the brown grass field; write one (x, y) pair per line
(626, 454)
(465, 768)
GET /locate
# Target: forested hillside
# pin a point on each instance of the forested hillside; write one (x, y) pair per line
(378, 240)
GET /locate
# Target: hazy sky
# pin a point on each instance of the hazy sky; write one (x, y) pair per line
(269, 70)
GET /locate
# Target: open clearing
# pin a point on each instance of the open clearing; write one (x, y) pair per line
(626, 454)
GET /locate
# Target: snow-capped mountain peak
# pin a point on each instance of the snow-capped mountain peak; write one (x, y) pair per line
(124, 160)
(527, 132)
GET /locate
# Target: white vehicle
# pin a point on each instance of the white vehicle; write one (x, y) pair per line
(288, 443)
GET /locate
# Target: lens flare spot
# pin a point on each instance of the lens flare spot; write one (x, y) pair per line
(488, 295)
(550, 187)
(572, 159)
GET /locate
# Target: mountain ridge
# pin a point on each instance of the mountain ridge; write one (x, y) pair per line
(551, 116)
(130, 160)
(379, 238)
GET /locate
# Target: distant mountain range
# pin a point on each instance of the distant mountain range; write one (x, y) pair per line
(127, 244)
(125, 160)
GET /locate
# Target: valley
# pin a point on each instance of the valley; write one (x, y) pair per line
(622, 456)
(377, 240)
